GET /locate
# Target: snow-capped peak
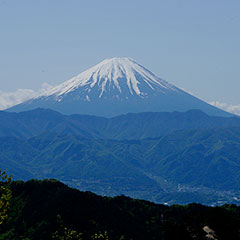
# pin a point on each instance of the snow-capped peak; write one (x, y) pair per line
(114, 73)
(116, 86)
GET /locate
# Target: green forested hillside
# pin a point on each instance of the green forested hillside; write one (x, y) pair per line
(184, 166)
(36, 206)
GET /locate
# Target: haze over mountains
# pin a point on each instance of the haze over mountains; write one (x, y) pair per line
(117, 86)
(136, 134)
(164, 157)
(130, 126)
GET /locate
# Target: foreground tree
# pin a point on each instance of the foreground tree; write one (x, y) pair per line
(65, 233)
(5, 195)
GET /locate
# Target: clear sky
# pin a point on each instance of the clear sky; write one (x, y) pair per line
(193, 44)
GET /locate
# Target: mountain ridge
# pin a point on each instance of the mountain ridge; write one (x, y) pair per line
(128, 126)
(41, 209)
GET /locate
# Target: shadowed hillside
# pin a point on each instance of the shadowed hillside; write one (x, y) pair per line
(36, 205)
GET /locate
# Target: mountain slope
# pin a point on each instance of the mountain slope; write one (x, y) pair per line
(36, 205)
(130, 126)
(117, 86)
(122, 76)
(184, 166)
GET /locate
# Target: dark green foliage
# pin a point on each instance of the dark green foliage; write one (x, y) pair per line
(36, 205)
(64, 233)
(5, 195)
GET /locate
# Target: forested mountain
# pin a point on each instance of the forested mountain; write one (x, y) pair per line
(181, 167)
(37, 207)
(130, 126)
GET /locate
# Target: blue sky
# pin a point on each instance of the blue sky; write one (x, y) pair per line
(194, 44)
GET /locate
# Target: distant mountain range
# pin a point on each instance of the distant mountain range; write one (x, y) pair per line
(129, 126)
(137, 135)
(117, 86)
(164, 157)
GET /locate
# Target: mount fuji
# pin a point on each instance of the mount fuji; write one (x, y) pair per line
(117, 86)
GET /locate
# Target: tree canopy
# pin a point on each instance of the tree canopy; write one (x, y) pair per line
(5, 195)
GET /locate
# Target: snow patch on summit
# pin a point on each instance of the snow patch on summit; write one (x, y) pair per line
(114, 73)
